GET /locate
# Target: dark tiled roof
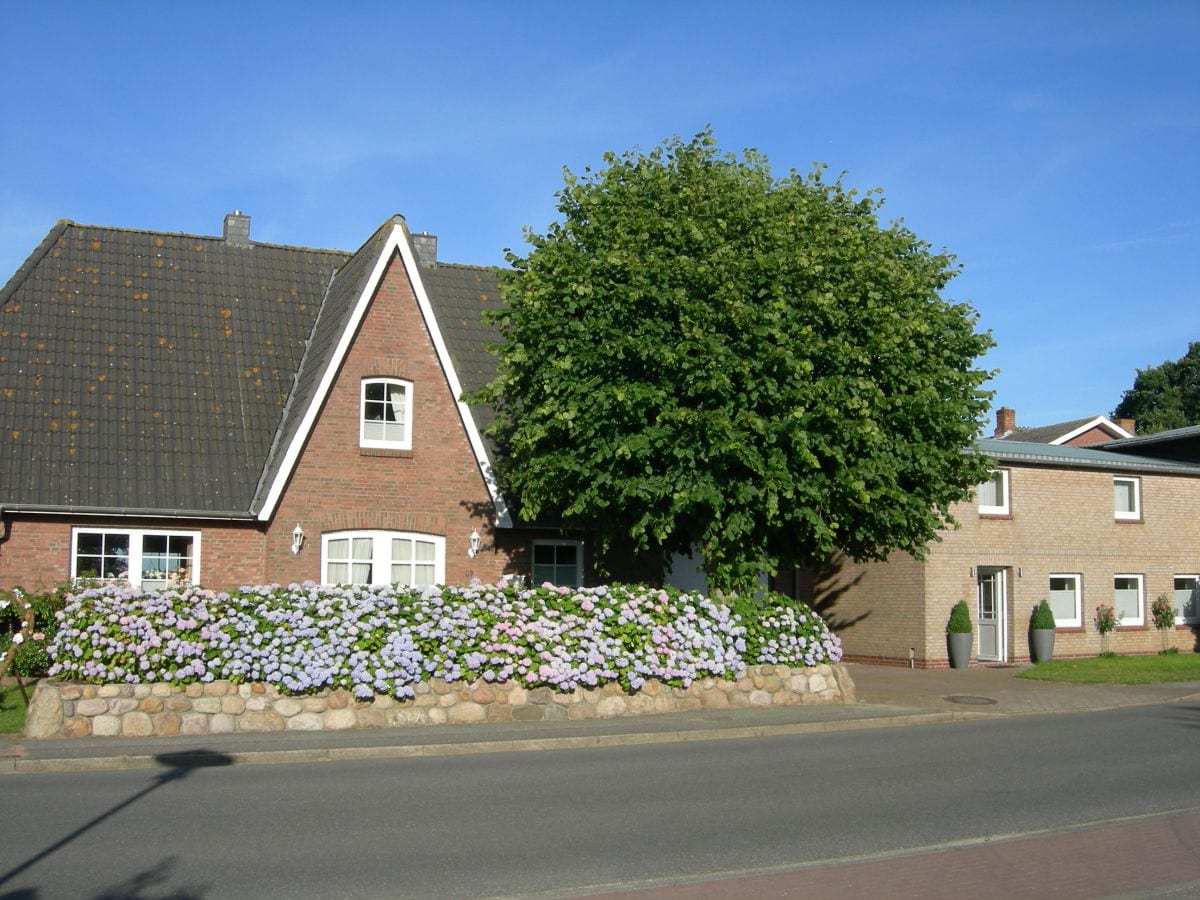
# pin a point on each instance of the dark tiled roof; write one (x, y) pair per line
(1044, 434)
(148, 371)
(460, 295)
(343, 294)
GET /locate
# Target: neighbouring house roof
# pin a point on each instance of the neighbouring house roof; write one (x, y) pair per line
(1063, 432)
(1067, 456)
(151, 373)
(1182, 444)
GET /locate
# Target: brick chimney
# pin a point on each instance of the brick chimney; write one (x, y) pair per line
(1006, 421)
(237, 229)
(1129, 425)
(425, 248)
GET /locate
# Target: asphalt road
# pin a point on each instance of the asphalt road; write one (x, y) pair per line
(575, 822)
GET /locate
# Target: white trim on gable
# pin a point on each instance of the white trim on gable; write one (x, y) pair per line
(396, 243)
(1102, 422)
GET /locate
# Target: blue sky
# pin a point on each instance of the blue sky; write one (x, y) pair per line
(1051, 146)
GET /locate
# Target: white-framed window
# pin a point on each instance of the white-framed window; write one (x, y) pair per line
(1066, 600)
(1128, 599)
(1127, 498)
(386, 417)
(558, 562)
(993, 494)
(142, 558)
(1187, 599)
(383, 557)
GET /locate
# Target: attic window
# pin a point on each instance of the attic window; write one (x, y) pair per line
(386, 414)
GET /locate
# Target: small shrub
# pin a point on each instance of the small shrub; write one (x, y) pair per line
(1106, 619)
(1162, 611)
(960, 619)
(1043, 616)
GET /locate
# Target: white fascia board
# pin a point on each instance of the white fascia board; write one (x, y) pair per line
(396, 242)
(503, 516)
(1103, 422)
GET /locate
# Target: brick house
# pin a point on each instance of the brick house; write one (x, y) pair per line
(1112, 522)
(1078, 433)
(228, 412)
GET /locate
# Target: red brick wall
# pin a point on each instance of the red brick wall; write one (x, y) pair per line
(36, 552)
(436, 488)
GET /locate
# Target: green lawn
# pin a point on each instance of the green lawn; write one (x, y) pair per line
(1118, 669)
(12, 708)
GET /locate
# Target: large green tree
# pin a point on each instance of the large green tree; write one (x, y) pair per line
(1165, 396)
(701, 355)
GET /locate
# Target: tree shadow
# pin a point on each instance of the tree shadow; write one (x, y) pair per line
(179, 765)
(152, 884)
(822, 587)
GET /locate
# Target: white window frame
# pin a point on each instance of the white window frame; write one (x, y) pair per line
(1076, 620)
(135, 573)
(404, 443)
(1135, 514)
(381, 554)
(1003, 508)
(578, 545)
(1180, 618)
(1140, 618)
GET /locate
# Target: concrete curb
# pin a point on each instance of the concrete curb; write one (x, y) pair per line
(23, 766)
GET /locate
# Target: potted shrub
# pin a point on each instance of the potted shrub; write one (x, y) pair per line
(1041, 632)
(960, 638)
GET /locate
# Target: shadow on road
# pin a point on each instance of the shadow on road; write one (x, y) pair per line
(178, 766)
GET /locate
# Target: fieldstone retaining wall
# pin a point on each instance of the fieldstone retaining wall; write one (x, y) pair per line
(66, 709)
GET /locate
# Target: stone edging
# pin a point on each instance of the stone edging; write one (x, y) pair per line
(72, 709)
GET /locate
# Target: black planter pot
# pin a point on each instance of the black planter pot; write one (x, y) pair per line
(960, 646)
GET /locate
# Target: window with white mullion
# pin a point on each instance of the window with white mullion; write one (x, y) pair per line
(1065, 600)
(141, 558)
(1187, 599)
(1127, 498)
(383, 557)
(386, 414)
(993, 494)
(1128, 597)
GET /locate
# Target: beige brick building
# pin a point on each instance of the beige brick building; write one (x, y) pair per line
(1115, 523)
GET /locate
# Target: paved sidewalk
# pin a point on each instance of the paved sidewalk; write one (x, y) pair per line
(887, 697)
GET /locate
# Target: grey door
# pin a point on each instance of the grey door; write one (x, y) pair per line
(992, 615)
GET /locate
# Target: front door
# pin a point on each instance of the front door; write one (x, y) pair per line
(992, 615)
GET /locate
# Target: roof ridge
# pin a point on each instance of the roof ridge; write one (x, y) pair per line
(453, 265)
(204, 237)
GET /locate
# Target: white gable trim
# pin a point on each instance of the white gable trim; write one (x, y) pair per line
(1102, 422)
(396, 243)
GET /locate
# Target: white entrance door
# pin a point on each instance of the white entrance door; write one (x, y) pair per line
(992, 615)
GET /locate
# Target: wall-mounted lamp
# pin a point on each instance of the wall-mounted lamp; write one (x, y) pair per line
(297, 539)
(473, 544)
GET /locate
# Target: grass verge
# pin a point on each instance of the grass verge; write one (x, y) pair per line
(1118, 669)
(12, 708)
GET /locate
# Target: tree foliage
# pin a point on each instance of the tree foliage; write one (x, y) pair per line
(1165, 396)
(700, 355)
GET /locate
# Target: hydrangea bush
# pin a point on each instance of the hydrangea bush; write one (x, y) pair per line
(384, 640)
